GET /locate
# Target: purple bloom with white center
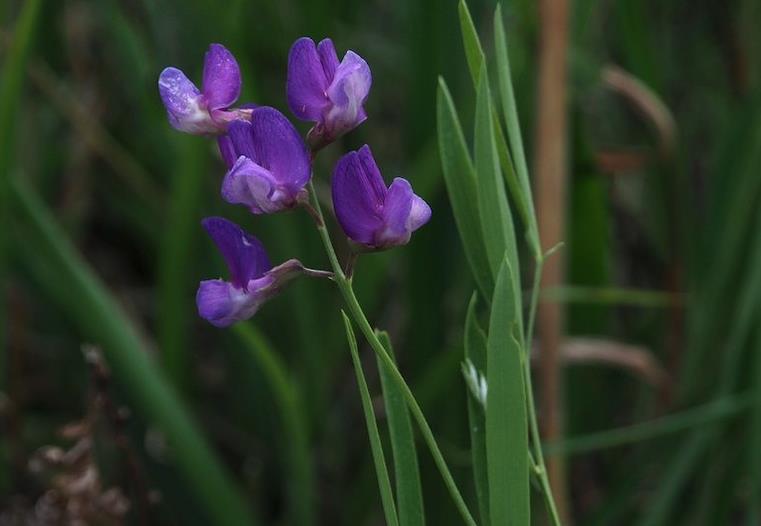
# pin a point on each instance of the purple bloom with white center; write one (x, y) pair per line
(369, 213)
(326, 92)
(253, 279)
(203, 111)
(268, 163)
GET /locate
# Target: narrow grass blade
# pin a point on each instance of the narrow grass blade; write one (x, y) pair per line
(387, 497)
(475, 353)
(409, 492)
(85, 299)
(460, 179)
(494, 211)
(474, 53)
(507, 450)
(11, 82)
(300, 479)
(512, 124)
(175, 257)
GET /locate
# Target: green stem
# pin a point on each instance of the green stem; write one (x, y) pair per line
(536, 439)
(344, 285)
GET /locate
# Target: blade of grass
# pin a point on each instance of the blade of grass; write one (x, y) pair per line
(460, 179)
(507, 452)
(291, 410)
(494, 211)
(409, 492)
(387, 497)
(513, 127)
(475, 351)
(86, 300)
(181, 231)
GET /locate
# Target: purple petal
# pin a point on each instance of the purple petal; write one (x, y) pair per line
(306, 83)
(278, 147)
(356, 197)
(241, 139)
(184, 103)
(249, 184)
(226, 150)
(420, 213)
(328, 58)
(243, 253)
(221, 78)
(396, 212)
(348, 92)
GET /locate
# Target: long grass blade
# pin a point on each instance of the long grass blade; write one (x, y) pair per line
(460, 179)
(291, 410)
(381, 469)
(507, 450)
(85, 299)
(409, 492)
(475, 355)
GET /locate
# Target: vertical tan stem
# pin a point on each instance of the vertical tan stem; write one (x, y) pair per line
(551, 179)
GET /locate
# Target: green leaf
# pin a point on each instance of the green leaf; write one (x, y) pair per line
(387, 497)
(409, 493)
(474, 53)
(475, 352)
(507, 450)
(509, 109)
(45, 249)
(494, 211)
(460, 179)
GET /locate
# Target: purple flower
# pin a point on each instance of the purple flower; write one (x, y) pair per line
(205, 111)
(371, 214)
(325, 92)
(253, 279)
(268, 162)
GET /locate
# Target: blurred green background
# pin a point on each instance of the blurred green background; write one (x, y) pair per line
(663, 252)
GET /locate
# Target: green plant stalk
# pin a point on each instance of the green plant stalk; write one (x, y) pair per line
(536, 439)
(381, 468)
(344, 286)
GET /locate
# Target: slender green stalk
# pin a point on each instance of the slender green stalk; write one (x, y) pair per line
(536, 440)
(344, 285)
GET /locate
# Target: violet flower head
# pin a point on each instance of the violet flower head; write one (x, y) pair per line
(206, 110)
(326, 92)
(369, 213)
(253, 279)
(268, 163)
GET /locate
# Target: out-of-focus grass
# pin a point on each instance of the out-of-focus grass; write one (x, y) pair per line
(660, 250)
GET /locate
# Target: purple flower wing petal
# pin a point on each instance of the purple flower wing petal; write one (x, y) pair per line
(249, 184)
(280, 149)
(420, 213)
(396, 212)
(348, 92)
(221, 78)
(244, 254)
(328, 58)
(183, 102)
(306, 82)
(355, 198)
(216, 303)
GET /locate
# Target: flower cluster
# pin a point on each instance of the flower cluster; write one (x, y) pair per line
(269, 166)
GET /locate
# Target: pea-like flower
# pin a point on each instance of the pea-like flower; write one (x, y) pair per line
(204, 111)
(253, 279)
(326, 92)
(369, 213)
(268, 163)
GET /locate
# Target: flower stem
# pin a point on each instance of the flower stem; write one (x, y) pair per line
(536, 440)
(356, 312)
